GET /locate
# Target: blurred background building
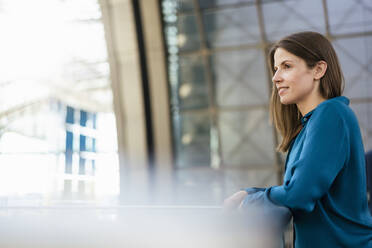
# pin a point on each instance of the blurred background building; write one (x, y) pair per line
(155, 101)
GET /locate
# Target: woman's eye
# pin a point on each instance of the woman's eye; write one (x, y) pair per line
(287, 66)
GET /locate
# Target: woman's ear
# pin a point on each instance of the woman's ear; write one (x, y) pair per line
(320, 69)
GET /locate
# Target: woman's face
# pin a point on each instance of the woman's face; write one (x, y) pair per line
(293, 79)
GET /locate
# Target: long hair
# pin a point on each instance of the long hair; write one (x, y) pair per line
(312, 47)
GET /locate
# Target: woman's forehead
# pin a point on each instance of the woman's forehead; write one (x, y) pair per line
(281, 55)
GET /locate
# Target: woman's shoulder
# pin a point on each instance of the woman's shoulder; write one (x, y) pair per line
(335, 107)
(332, 111)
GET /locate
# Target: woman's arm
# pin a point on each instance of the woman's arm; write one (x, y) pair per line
(278, 216)
(325, 152)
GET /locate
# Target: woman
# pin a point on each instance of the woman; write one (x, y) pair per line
(324, 183)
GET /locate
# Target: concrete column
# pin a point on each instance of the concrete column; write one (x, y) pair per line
(127, 89)
(159, 94)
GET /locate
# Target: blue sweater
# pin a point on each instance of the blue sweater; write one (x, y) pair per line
(325, 182)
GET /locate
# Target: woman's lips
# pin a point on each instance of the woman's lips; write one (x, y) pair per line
(282, 90)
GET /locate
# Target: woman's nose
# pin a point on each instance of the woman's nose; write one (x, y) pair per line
(276, 78)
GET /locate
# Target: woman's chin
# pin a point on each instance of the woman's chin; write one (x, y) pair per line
(285, 101)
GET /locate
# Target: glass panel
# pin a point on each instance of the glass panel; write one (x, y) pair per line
(240, 77)
(83, 143)
(59, 52)
(192, 92)
(80, 45)
(214, 3)
(247, 139)
(192, 139)
(364, 115)
(94, 168)
(70, 115)
(69, 141)
(94, 145)
(202, 186)
(355, 57)
(237, 179)
(81, 9)
(187, 37)
(285, 17)
(88, 75)
(83, 118)
(178, 5)
(347, 16)
(81, 188)
(89, 144)
(82, 166)
(69, 160)
(229, 27)
(67, 188)
(185, 5)
(65, 54)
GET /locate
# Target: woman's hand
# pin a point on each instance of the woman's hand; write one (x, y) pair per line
(233, 202)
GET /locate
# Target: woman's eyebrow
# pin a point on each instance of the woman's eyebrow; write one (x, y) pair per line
(284, 61)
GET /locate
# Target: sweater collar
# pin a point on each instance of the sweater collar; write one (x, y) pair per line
(342, 99)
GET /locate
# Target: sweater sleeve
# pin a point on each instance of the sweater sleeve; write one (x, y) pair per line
(323, 155)
(278, 216)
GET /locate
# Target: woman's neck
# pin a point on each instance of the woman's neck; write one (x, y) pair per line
(309, 104)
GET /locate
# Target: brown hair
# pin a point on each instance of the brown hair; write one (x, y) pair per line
(312, 47)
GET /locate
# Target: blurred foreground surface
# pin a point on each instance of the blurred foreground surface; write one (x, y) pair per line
(132, 226)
